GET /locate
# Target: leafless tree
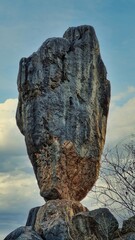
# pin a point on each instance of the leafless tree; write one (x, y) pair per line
(116, 186)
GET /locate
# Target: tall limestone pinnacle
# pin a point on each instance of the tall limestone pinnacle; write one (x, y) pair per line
(62, 111)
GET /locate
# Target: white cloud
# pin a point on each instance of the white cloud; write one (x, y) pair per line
(19, 191)
(122, 95)
(17, 181)
(18, 194)
(121, 121)
(10, 138)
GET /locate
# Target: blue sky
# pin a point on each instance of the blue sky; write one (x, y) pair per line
(24, 25)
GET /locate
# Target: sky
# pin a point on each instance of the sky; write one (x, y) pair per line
(24, 25)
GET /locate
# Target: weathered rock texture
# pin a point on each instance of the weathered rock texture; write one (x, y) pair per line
(23, 233)
(54, 219)
(69, 220)
(62, 112)
(128, 230)
(65, 220)
(108, 224)
(128, 225)
(127, 236)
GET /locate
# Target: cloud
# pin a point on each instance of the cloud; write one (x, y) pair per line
(131, 89)
(11, 141)
(121, 120)
(18, 194)
(18, 187)
(122, 95)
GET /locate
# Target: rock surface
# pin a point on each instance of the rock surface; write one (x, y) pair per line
(127, 236)
(32, 217)
(65, 220)
(85, 227)
(70, 220)
(62, 111)
(59, 220)
(128, 225)
(107, 222)
(23, 233)
(128, 230)
(54, 219)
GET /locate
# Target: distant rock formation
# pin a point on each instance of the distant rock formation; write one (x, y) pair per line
(62, 112)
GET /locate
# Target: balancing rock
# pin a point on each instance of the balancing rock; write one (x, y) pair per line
(62, 111)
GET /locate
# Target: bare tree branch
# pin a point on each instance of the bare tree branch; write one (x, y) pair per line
(117, 176)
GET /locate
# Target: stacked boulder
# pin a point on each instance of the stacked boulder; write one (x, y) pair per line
(62, 112)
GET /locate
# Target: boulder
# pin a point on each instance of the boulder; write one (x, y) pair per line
(107, 222)
(65, 220)
(32, 216)
(85, 227)
(62, 111)
(128, 225)
(127, 236)
(128, 230)
(54, 219)
(23, 233)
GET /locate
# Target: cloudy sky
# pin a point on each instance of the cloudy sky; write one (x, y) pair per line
(24, 25)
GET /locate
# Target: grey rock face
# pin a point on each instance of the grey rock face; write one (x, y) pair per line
(128, 230)
(107, 222)
(32, 216)
(128, 225)
(23, 233)
(62, 112)
(66, 220)
(127, 236)
(86, 227)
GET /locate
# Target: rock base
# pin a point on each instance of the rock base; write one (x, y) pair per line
(66, 220)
